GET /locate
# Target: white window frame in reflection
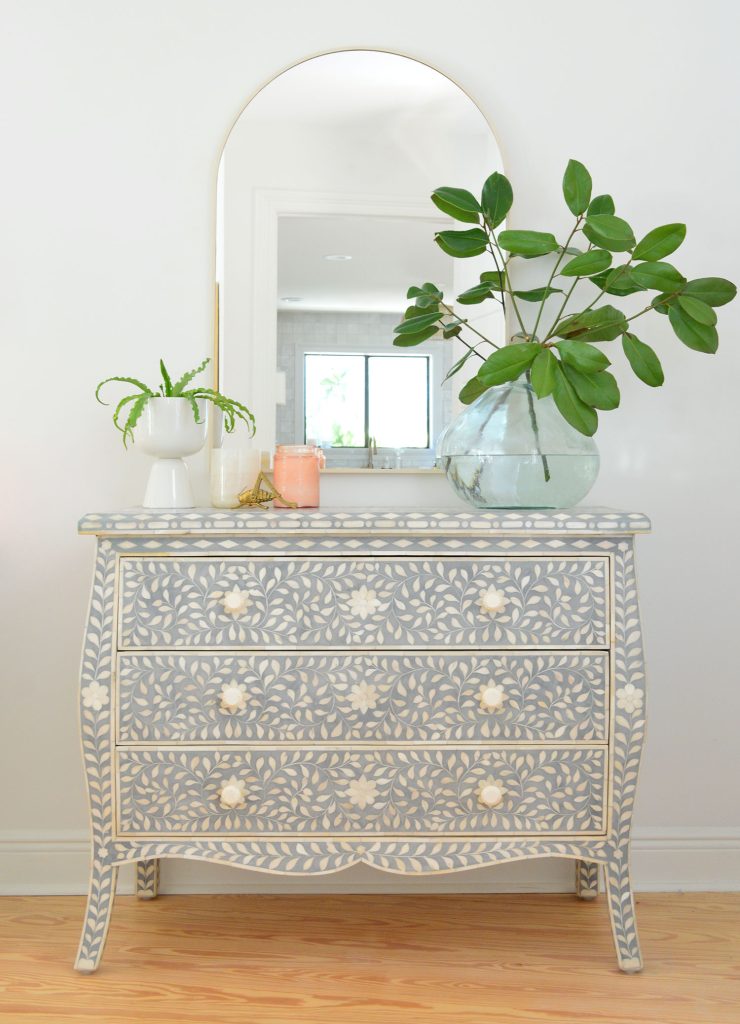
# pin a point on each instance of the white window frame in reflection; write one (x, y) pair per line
(437, 355)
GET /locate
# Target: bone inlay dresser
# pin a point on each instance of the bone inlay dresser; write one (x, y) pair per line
(296, 692)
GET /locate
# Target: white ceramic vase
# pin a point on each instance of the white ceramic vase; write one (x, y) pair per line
(168, 431)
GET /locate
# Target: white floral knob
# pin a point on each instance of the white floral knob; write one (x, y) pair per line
(233, 697)
(490, 793)
(232, 794)
(492, 601)
(235, 601)
(491, 697)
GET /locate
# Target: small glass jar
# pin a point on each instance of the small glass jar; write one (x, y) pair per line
(296, 475)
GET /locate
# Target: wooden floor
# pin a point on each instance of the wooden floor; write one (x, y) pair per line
(373, 959)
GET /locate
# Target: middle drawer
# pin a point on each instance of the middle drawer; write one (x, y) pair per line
(363, 697)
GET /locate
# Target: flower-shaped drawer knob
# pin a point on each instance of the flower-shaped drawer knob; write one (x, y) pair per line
(492, 601)
(490, 793)
(232, 794)
(233, 697)
(491, 697)
(235, 601)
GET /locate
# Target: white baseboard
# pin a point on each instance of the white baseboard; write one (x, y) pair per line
(663, 860)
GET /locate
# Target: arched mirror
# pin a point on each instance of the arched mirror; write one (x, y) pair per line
(324, 221)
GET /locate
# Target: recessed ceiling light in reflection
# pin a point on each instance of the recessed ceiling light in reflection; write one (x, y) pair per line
(337, 257)
(291, 298)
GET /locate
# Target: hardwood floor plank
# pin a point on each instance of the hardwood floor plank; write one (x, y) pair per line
(471, 959)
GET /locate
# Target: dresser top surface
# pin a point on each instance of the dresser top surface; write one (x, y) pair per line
(372, 520)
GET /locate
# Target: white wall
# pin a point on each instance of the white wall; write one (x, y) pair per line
(112, 118)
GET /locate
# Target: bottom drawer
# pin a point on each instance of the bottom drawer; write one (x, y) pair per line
(319, 791)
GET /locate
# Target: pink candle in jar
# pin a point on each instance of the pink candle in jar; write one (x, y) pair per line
(296, 475)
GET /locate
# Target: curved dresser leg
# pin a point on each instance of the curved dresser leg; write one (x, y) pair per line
(587, 879)
(622, 913)
(147, 879)
(97, 916)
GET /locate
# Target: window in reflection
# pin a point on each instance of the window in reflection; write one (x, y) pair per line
(354, 401)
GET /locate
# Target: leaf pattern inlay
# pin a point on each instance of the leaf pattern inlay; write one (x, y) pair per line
(169, 602)
(316, 790)
(364, 697)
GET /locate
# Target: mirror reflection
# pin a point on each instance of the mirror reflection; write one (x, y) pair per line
(324, 221)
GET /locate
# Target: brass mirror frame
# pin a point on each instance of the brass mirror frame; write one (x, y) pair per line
(217, 340)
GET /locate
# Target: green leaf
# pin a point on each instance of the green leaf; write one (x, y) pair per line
(660, 242)
(508, 363)
(697, 310)
(663, 302)
(700, 337)
(416, 323)
(663, 277)
(425, 297)
(462, 244)
(601, 204)
(231, 409)
(544, 372)
(715, 291)
(599, 390)
(576, 412)
(451, 330)
(581, 355)
(478, 293)
(178, 388)
(643, 360)
(426, 301)
(528, 243)
(472, 390)
(122, 380)
(409, 340)
(591, 262)
(538, 294)
(576, 187)
(617, 281)
(494, 278)
(496, 199)
(133, 417)
(119, 409)
(166, 379)
(458, 364)
(457, 203)
(609, 232)
(601, 324)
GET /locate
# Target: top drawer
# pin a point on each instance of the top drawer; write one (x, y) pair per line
(311, 603)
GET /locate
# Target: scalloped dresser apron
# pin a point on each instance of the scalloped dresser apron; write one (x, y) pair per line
(299, 691)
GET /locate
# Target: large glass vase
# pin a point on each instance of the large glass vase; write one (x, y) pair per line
(510, 449)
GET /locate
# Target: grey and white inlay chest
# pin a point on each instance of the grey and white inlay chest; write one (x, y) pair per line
(424, 692)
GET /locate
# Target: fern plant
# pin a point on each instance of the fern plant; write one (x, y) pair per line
(134, 404)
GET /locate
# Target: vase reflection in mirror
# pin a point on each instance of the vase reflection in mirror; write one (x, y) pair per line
(510, 449)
